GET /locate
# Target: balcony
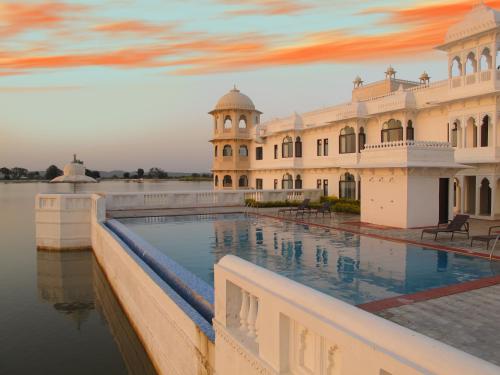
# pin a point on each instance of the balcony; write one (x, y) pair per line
(477, 155)
(478, 82)
(408, 154)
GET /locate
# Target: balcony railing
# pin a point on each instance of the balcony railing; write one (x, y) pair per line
(400, 144)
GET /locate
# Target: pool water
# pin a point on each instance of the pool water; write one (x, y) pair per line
(354, 268)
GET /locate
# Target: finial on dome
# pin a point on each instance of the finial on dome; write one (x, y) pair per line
(358, 82)
(234, 88)
(390, 72)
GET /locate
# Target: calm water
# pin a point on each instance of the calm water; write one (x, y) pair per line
(356, 269)
(58, 314)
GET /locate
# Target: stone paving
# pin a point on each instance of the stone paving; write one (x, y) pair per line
(468, 321)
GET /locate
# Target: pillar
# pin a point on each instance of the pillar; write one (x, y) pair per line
(478, 195)
(451, 194)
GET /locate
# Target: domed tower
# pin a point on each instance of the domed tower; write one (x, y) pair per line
(235, 117)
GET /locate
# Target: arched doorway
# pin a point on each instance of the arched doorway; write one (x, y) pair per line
(485, 198)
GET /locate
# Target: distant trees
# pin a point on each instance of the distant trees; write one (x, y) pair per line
(140, 173)
(52, 172)
(6, 173)
(93, 174)
(157, 173)
(17, 173)
(126, 175)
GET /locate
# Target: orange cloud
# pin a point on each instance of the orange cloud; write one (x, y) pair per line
(265, 7)
(131, 26)
(17, 17)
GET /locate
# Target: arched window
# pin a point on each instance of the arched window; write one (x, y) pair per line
(287, 148)
(347, 141)
(410, 135)
(287, 181)
(227, 150)
(227, 181)
(257, 120)
(471, 63)
(298, 147)
(228, 123)
(243, 181)
(456, 67)
(392, 130)
(485, 197)
(347, 186)
(216, 180)
(454, 134)
(471, 133)
(243, 150)
(216, 149)
(361, 139)
(484, 131)
(298, 182)
(242, 124)
(486, 60)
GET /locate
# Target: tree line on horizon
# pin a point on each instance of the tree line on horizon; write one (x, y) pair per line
(18, 173)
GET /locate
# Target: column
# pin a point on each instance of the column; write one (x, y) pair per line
(493, 187)
(463, 125)
(451, 195)
(461, 181)
(478, 195)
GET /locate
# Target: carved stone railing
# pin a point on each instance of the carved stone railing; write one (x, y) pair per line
(195, 199)
(268, 324)
(411, 144)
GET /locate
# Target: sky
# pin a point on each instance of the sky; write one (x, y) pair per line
(127, 84)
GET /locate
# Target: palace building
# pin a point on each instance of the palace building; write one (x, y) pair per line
(413, 152)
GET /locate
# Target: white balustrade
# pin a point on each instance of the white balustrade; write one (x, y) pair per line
(302, 331)
(486, 75)
(456, 82)
(409, 144)
(470, 79)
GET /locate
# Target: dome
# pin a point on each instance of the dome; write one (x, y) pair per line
(480, 18)
(234, 99)
(74, 172)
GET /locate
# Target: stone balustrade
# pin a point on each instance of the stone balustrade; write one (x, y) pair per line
(268, 324)
(412, 144)
(222, 198)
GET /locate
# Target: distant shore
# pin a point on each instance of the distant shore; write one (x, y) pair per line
(137, 180)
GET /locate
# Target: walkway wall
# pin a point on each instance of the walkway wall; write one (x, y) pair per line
(268, 324)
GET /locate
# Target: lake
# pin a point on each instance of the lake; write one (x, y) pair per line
(58, 314)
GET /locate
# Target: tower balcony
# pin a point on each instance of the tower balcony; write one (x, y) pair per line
(477, 82)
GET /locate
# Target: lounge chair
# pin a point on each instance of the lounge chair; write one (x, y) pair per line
(323, 209)
(459, 224)
(486, 237)
(301, 207)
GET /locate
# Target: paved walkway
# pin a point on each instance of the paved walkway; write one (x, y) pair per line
(468, 321)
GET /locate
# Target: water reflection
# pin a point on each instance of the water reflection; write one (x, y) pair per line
(74, 284)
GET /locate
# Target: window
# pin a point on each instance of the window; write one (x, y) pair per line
(287, 182)
(410, 135)
(325, 187)
(361, 139)
(484, 131)
(215, 151)
(347, 186)
(216, 180)
(454, 135)
(242, 124)
(275, 184)
(325, 147)
(243, 181)
(243, 150)
(287, 148)
(392, 131)
(318, 183)
(298, 147)
(258, 153)
(319, 147)
(259, 183)
(227, 151)
(228, 123)
(298, 182)
(347, 141)
(276, 151)
(227, 181)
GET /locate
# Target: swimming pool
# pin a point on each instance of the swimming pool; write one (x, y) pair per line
(357, 269)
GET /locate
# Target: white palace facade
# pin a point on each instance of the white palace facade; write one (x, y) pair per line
(413, 152)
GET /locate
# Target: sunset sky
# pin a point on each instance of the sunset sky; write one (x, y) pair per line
(128, 83)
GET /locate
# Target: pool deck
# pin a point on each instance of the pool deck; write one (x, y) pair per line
(466, 316)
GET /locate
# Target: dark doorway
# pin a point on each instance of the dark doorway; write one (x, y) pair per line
(443, 199)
